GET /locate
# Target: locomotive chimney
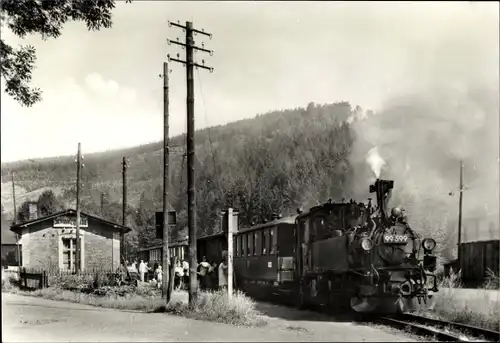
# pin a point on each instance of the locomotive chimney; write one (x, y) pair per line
(382, 188)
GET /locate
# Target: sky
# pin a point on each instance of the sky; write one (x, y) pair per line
(103, 88)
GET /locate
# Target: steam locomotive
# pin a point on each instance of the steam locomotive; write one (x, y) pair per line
(345, 256)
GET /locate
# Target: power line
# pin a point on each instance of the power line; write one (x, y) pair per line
(208, 129)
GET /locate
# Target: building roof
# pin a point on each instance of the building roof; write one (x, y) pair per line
(284, 220)
(8, 237)
(18, 227)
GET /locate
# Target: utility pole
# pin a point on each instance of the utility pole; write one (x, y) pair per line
(230, 231)
(460, 213)
(165, 251)
(124, 210)
(14, 196)
(102, 204)
(15, 221)
(189, 63)
(78, 166)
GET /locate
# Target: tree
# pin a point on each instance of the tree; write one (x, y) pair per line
(145, 221)
(47, 203)
(26, 17)
(23, 213)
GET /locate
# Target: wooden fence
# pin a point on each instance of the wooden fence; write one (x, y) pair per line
(35, 278)
(32, 280)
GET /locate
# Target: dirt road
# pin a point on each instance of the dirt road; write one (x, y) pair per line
(27, 319)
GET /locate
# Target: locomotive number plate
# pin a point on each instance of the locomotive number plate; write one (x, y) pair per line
(395, 239)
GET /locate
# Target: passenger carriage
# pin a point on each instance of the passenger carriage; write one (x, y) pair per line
(264, 258)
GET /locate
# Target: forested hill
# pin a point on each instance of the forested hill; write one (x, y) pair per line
(274, 162)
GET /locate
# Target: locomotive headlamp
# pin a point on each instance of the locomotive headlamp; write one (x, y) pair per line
(366, 244)
(429, 244)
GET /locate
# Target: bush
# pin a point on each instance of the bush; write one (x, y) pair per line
(10, 283)
(216, 306)
(492, 280)
(454, 280)
(148, 289)
(84, 281)
(72, 281)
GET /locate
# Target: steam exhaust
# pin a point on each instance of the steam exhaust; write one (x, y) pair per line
(375, 161)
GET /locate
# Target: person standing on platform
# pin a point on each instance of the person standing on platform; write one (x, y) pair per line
(223, 275)
(142, 270)
(203, 273)
(159, 276)
(185, 266)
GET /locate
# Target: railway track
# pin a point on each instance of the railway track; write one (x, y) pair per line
(440, 329)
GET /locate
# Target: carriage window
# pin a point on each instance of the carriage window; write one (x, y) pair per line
(257, 247)
(250, 243)
(238, 246)
(273, 240)
(235, 245)
(265, 241)
(242, 245)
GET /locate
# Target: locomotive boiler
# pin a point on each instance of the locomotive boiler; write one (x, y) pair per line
(343, 255)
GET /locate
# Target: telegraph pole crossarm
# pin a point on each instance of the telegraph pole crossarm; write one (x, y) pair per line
(170, 41)
(202, 32)
(189, 63)
(175, 60)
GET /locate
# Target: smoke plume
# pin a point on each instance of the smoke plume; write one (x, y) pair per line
(447, 112)
(375, 161)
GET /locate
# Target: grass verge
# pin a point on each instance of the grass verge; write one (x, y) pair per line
(128, 302)
(210, 306)
(474, 307)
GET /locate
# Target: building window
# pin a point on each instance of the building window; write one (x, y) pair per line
(69, 253)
